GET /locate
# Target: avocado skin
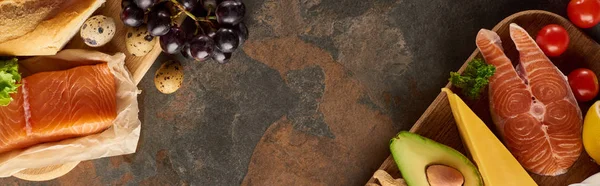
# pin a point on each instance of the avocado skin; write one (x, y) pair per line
(413, 153)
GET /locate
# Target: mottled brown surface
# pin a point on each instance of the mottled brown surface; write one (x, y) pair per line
(355, 126)
(312, 98)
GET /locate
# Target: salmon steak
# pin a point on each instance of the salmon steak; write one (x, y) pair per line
(52, 106)
(532, 106)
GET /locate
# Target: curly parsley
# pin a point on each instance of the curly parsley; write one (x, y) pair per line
(474, 78)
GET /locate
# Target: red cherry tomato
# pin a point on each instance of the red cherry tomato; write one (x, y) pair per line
(553, 40)
(584, 84)
(584, 13)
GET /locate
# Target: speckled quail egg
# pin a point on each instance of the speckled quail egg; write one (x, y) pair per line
(138, 41)
(169, 77)
(97, 30)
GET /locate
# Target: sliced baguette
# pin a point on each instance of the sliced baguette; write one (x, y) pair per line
(41, 27)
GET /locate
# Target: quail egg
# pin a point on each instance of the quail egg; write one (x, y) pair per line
(97, 30)
(169, 77)
(138, 41)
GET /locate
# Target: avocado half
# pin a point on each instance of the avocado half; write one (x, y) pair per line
(413, 153)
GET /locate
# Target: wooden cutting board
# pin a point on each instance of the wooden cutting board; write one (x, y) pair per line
(438, 123)
(138, 66)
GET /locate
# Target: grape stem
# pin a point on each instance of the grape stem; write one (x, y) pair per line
(178, 14)
(189, 14)
(210, 8)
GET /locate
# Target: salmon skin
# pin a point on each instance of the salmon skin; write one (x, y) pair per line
(533, 106)
(52, 106)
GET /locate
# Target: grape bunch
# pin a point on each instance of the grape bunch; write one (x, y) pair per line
(213, 29)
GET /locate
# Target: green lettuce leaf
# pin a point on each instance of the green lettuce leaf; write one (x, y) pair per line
(9, 77)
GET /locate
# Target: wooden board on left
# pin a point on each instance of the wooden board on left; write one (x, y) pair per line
(138, 66)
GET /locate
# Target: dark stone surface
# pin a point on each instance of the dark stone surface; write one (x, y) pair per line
(308, 85)
(311, 99)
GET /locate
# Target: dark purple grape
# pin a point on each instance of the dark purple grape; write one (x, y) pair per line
(161, 10)
(189, 5)
(230, 12)
(145, 4)
(226, 39)
(185, 51)
(159, 20)
(126, 3)
(220, 57)
(132, 16)
(201, 47)
(159, 26)
(173, 41)
(242, 31)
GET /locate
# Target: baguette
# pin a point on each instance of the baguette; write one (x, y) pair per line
(41, 27)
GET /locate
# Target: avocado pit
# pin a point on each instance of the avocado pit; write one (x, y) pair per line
(442, 175)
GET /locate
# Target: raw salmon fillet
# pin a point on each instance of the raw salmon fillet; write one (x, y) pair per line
(533, 107)
(52, 106)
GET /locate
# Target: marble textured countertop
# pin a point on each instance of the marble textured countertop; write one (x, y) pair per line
(311, 99)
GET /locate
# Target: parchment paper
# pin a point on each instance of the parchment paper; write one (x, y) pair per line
(120, 139)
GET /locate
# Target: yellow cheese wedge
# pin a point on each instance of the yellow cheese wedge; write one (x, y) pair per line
(496, 164)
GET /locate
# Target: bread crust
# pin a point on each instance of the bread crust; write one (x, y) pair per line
(41, 27)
